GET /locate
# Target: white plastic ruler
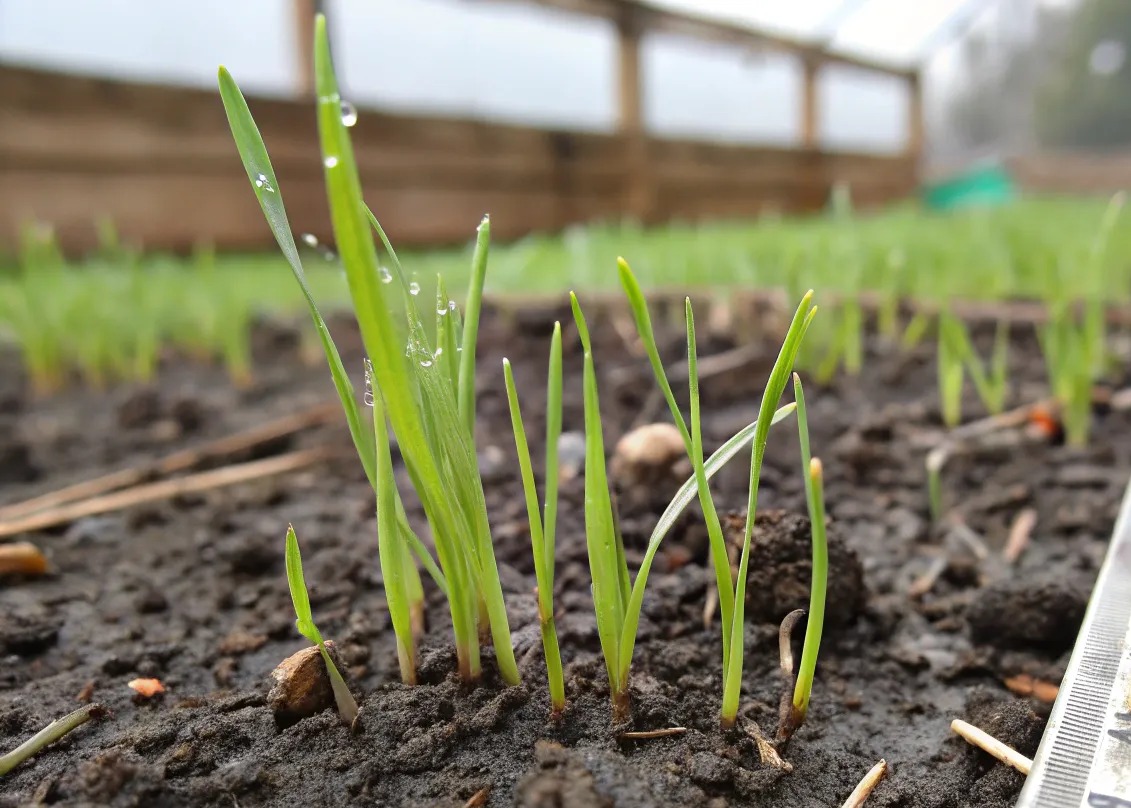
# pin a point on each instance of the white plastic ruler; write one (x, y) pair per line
(1084, 760)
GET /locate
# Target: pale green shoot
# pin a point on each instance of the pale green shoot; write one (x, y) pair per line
(347, 706)
(950, 370)
(617, 605)
(775, 386)
(606, 553)
(542, 525)
(815, 498)
(396, 562)
(692, 439)
(416, 393)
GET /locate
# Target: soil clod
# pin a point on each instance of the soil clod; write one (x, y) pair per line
(781, 568)
(1042, 613)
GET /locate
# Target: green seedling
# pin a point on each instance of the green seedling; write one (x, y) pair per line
(347, 706)
(48, 735)
(1068, 350)
(542, 525)
(692, 438)
(990, 379)
(950, 371)
(618, 600)
(775, 386)
(815, 499)
(433, 424)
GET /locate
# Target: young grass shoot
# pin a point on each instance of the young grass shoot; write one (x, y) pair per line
(618, 600)
(428, 407)
(542, 524)
(304, 621)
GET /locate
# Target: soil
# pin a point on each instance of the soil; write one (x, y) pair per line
(191, 591)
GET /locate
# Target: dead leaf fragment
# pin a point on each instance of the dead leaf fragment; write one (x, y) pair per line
(22, 558)
(1025, 685)
(147, 688)
(479, 798)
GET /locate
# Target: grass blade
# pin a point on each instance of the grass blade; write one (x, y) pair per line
(775, 386)
(391, 553)
(605, 558)
(347, 706)
(543, 565)
(814, 497)
(253, 154)
(693, 441)
(471, 325)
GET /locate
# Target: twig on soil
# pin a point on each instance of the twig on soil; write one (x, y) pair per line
(22, 558)
(987, 743)
(767, 752)
(181, 460)
(864, 789)
(48, 735)
(789, 679)
(648, 735)
(1019, 534)
(710, 605)
(166, 489)
(926, 582)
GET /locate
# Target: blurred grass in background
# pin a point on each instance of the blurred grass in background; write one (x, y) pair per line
(111, 315)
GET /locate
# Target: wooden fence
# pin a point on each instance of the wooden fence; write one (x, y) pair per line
(159, 162)
(1072, 173)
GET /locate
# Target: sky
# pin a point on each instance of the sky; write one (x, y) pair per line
(504, 60)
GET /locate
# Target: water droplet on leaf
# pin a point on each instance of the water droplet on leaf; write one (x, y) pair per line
(349, 114)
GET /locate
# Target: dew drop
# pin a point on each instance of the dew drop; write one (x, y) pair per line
(426, 363)
(414, 288)
(451, 305)
(385, 275)
(262, 182)
(349, 114)
(437, 354)
(310, 239)
(441, 310)
(330, 161)
(368, 383)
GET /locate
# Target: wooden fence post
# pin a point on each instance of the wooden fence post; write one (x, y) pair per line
(639, 189)
(810, 103)
(304, 11)
(915, 124)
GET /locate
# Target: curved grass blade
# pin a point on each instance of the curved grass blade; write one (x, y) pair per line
(543, 564)
(684, 497)
(347, 706)
(391, 551)
(693, 441)
(775, 386)
(815, 499)
(606, 563)
(471, 325)
(253, 154)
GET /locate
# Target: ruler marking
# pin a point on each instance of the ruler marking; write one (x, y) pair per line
(1084, 760)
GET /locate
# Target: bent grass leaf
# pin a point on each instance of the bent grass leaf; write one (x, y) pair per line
(347, 706)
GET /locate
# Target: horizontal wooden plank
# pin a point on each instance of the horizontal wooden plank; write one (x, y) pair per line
(160, 163)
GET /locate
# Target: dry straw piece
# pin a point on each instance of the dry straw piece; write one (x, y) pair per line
(987, 743)
(864, 788)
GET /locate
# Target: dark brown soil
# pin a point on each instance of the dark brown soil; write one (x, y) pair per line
(192, 591)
